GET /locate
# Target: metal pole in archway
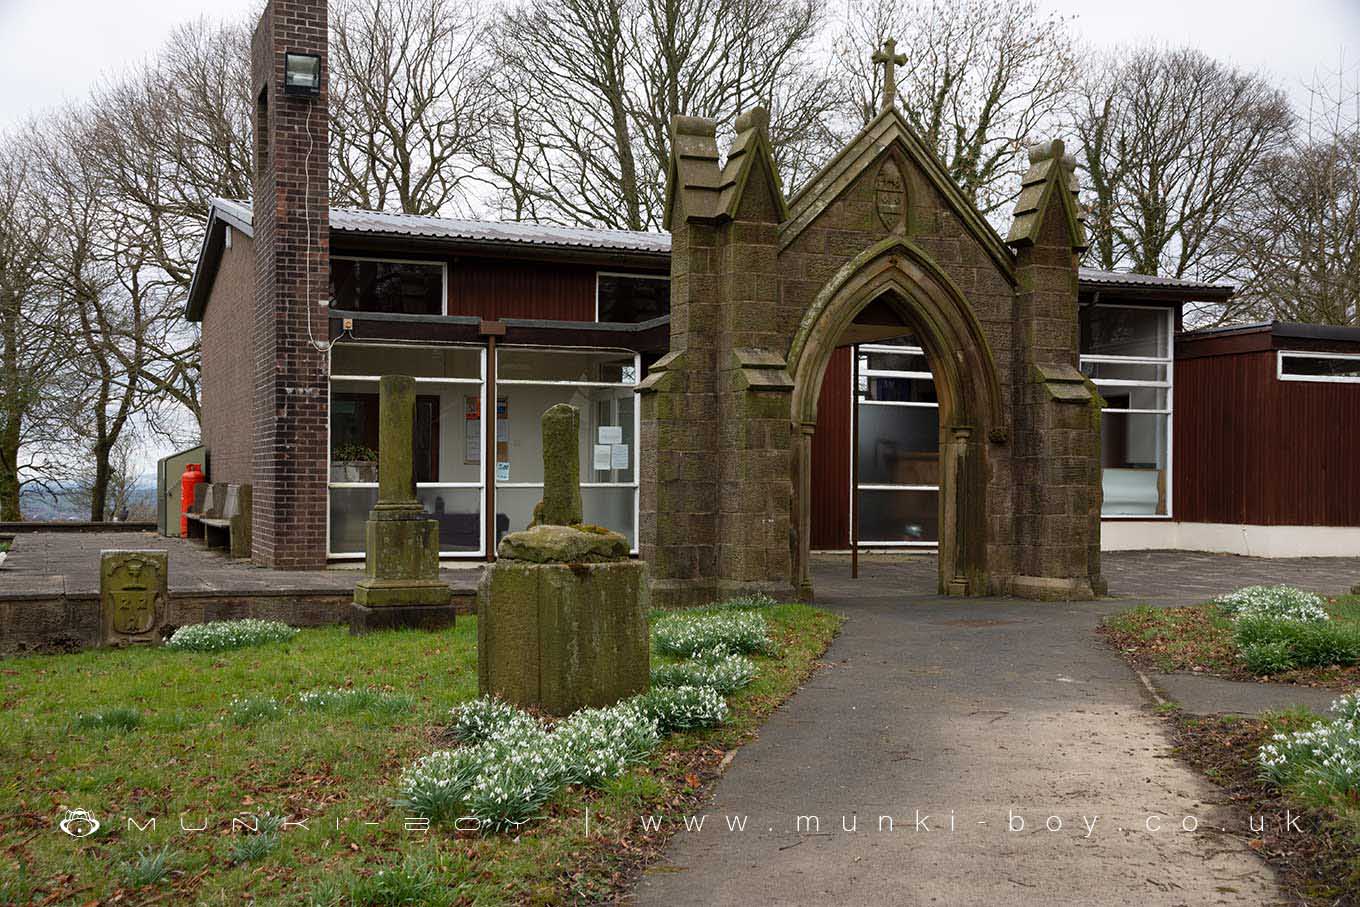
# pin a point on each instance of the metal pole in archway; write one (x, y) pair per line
(854, 461)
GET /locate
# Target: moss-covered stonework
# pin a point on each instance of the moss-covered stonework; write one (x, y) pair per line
(561, 637)
(561, 466)
(549, 544)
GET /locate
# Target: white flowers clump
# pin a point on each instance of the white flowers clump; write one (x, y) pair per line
(479, 719)
(749, 602)
(596, 745)
(510, 765)
(353, 699)
(684, 708)
(250, 709)
(724, 673)
(1326, 755)
(1277, 602)
(229, 634)
(699, 635)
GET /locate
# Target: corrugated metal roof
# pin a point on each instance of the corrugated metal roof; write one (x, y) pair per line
(1126, 279)
(349, 220)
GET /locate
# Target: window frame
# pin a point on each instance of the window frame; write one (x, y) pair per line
(636, 483)
(373, 380)
(443, 271)
(1280, 375)
(1169, 361)
(599, 274)
(857, 399)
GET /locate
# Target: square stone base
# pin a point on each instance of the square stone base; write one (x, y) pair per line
(363, 619)
(562, 637)
(1056, 589)
(382, 593)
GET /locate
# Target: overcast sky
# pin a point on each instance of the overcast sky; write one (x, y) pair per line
(54, 50)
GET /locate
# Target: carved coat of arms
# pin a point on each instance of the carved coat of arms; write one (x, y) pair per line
(134, 596)
(890, 194)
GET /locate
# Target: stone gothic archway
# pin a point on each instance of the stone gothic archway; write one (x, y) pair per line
(762, 290)
(905, 278)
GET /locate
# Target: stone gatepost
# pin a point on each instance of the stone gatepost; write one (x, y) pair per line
(133, 592)
(401, 586)
(1057, 416)
(562, 615)
(716, 485)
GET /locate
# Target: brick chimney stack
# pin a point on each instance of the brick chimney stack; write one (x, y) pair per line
(292, 276)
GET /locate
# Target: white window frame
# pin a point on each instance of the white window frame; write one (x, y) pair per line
(599, 274)
(443, 270)
(1320, 379)
(635, 485)
(1169, 361)
(858, 400)
(373, 379)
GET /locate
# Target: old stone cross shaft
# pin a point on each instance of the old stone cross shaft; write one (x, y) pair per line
(890, 60)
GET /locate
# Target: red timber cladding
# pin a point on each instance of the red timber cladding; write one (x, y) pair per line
(492, 289)
(228, 369)
(1251, 449)
(831, 458)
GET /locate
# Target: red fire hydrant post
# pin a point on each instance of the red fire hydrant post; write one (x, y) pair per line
(193, 474)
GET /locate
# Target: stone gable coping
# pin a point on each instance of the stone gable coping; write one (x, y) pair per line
(752, 143)
(693, 178)
(1051, 176)
(889, 129)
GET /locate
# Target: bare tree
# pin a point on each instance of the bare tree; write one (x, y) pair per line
(982, 77)
(409, 97)
(123, 494)
(89, 273)
(33, 354)
(165, 139)
(1170, 142)
(1301, 234)
(587, 88)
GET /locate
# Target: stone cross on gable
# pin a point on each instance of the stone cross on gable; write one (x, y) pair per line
(890, 60)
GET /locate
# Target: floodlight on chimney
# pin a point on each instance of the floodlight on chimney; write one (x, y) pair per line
(302, 74)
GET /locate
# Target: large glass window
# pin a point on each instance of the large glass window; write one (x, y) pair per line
(631, 298)
(393, 287)
(899, 446)
(448, 444)
(600, 385)
(1127, 352)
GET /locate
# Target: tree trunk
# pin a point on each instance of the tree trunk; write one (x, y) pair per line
(99, 492)
(13, 416)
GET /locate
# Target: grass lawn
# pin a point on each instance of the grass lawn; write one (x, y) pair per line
(154, 733)
(1199, 639)
(1319, 857)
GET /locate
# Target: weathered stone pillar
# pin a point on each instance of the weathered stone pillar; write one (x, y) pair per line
(716, 515)
(401, 586)
(561, 466)
(562, 614)
(1057, 436)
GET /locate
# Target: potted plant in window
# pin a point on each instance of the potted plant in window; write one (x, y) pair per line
(354, 463)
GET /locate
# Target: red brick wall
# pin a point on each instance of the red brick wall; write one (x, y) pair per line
(228, 367)
(292, 258)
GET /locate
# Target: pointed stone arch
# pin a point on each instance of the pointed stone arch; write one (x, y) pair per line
(967, 382)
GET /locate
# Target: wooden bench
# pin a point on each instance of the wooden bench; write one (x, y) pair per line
(220, 517)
